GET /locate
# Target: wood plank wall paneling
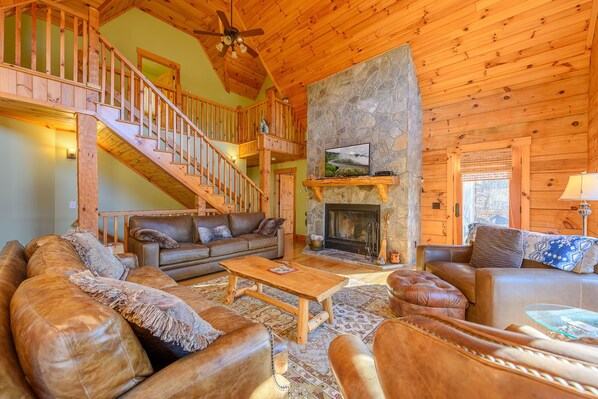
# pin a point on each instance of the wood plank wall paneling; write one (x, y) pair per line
(593, 122)
(488, 70)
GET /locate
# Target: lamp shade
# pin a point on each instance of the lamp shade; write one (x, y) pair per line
(581, 187)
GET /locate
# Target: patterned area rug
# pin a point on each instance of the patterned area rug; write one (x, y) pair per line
(359, 309)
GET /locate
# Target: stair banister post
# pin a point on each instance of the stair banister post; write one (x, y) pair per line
(271, 110)
(240, 121)
(93, 69)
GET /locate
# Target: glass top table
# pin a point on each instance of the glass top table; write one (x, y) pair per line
(572, 322)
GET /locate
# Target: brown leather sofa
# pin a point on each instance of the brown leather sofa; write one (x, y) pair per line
(193, 258)
(434, 357)
(56, 341)
(498, 296)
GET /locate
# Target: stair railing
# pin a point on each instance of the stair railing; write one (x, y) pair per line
(280, 116)
(140, 102)
(217, 121)
(60, 33)
(113, 227)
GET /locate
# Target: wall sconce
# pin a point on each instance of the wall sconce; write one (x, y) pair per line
(71, 153)
(233, 158)
(286, 100)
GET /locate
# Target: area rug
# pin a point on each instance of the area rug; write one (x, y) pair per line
(359, 309)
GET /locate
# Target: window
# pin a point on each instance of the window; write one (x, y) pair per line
(488, 183)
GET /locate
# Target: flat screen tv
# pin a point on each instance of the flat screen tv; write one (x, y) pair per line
(353, 160)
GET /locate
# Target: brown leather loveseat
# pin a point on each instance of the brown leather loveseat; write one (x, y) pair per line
(498, 296)
(194, 258)
(56, 341)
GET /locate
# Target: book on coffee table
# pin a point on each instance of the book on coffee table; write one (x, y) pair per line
(282, 269)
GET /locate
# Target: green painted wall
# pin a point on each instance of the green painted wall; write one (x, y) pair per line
(300, 193)
(27, 156)
(38, 182)
(137, 29)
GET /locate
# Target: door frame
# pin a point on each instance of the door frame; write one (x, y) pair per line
(293, 173)
(520, 174)
(148, 55)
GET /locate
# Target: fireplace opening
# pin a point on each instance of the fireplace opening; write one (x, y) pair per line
(351, 227)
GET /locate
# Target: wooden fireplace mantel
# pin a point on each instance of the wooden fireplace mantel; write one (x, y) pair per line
(382, 183)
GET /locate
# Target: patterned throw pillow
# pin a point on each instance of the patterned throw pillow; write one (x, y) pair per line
(166, 326)
(497, 247)
(95, 256)
(209, 234)
(269, 227)
(578, 254)
(150, 235)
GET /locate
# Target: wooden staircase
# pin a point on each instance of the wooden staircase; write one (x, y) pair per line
(55, 76)
(140, 126)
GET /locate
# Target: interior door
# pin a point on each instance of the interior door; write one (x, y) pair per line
(286, 201)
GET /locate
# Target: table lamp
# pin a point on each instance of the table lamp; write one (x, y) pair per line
(582, 187)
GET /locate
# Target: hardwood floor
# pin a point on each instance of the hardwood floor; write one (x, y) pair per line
(293, 250)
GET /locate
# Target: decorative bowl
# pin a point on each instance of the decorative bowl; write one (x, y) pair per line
(316, 245)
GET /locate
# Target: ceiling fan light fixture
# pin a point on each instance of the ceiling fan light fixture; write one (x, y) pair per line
(233, 54)
(219, 46)
(243, 48)
(227, 40)
(239, 39)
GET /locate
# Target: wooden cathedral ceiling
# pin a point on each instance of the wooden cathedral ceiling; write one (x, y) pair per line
(461, 48)
(243, 75)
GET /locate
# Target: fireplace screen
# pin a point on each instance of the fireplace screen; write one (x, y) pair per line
(349, 227)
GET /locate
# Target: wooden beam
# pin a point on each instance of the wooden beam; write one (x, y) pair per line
(265, 179)
(94, 47)
(111, 9)
(87, 172)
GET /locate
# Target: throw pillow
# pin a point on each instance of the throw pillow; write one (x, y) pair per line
(95, 256)
(578, 254)
(209, 234)
(497, 247)
(473, 228)
(269, 227)
(166, 326)
(151, 235)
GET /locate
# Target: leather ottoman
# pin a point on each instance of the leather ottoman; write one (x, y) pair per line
(414, 292)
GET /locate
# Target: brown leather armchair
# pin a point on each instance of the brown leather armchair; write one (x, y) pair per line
(498, 296)
(432, 357)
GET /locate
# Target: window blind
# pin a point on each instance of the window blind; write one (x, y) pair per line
(487, 165)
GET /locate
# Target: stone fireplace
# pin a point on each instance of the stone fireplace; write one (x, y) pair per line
(351, 227)
(376, 102)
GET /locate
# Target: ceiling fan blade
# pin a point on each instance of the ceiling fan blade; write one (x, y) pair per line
(203, 32)
(224, 50)
(252, 32)
(251, 51)
(223, 18)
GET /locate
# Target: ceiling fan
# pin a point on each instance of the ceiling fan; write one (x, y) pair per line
(231, 36)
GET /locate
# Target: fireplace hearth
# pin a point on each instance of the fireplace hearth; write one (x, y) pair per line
(352, 227)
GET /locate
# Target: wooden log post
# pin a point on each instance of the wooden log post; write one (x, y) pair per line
(87, 172)
(271, 111)
(240, 137)
(200, 205)
(265, 179)
(93, 58)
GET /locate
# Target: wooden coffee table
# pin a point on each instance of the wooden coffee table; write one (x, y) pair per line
(306, 283)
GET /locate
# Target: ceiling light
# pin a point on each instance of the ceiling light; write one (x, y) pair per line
(227, 40)
(243, 48)
(239, 39)
(219, 46)
(233, 54)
